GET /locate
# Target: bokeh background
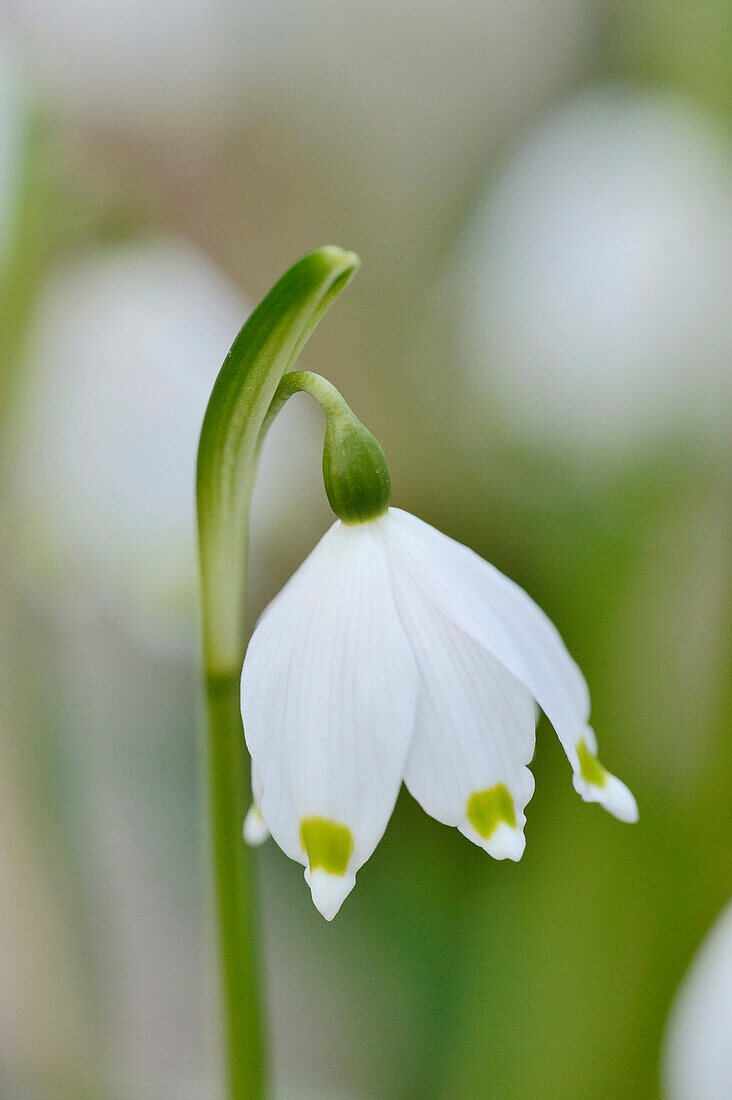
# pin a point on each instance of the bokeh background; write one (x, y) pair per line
(540, 337)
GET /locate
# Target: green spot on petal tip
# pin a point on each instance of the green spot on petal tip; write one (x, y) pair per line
(487, 809)
(328, 844)
(591, 769)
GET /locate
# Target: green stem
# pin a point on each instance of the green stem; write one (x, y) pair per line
(265, 348)
(355, 471)
(234, 886)
(22, 266)
(304, 381)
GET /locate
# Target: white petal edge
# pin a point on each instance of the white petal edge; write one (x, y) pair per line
(475, 730)
(612, 794)
(255, 829)
(503, 619)
(329, 692)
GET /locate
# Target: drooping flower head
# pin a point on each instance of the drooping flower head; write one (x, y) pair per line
(396, 654)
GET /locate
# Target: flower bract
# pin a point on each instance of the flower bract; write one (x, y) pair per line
(122, 352)
(396, 654)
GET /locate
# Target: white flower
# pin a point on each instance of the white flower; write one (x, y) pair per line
(597, 270)
(185, 68)
(697, 1059)
(152, 69)
(395, 653)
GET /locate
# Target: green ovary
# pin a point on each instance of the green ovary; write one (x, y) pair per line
(487, 809)
(591, 769)
(328, 844)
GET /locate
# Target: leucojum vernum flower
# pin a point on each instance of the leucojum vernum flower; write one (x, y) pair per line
(394, 654)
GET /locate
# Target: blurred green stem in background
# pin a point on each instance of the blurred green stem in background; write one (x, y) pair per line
(231, 437)
(31, 235)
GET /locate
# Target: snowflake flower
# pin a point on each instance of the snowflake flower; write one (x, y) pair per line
(397, 654)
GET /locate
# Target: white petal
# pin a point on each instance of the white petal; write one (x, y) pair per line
(329, 891)
(596, 784)
(256, 786)
(328, 700)
(697, 1056)
(497, 613)
(474, 734)
(500, 616)
(255, 827)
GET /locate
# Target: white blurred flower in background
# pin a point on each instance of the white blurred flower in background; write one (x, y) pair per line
(189, 65)
(263, 128)
(424, 90)
(122, 353)
(122, 356)
(597, 272)
(143, 66)
(697, 1055)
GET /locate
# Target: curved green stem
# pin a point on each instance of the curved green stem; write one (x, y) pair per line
(355, 471)
(266, 347)
(228, 453)
(304, 381)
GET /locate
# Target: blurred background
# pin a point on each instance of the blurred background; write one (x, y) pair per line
(541, 339)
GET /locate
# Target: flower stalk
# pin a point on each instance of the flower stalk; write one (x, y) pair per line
(227, 779)
(264, 350)
(355, 471)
